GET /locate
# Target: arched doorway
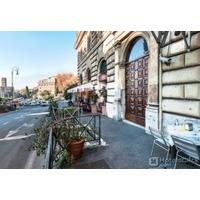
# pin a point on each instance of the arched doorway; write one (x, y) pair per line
(136, 81)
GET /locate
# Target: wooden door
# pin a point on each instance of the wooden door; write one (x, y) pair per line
(136, 90)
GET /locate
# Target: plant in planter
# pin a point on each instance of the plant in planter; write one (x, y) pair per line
(93, 101)
(70, 139)
(103, 93)
(41, 138)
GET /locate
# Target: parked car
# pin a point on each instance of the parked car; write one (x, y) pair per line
(44, 103)
(33, 103)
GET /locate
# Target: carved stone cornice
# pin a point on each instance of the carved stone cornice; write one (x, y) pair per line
(79, 37)
(117, 44)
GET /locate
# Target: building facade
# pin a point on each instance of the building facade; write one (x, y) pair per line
(4, 82)
(5, 91)
(48, 84)
(140, 88)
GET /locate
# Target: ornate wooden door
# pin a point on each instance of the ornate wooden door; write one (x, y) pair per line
(136, 90)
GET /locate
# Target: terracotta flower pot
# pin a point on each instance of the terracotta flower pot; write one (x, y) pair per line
(76, 148)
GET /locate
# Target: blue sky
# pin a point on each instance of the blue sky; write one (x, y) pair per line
(38, 55)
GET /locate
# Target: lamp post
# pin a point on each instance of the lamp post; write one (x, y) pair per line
(14, 69)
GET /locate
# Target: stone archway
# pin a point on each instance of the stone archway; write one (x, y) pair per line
(136, 80)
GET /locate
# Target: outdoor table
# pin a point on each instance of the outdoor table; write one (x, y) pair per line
(181, 132)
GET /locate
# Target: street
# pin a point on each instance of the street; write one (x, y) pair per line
(16, 136)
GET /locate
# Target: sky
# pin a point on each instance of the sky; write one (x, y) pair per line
(37, 54)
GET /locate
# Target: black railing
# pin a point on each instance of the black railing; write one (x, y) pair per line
(89, 126)
(50, 151)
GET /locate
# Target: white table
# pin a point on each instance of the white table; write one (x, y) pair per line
(180, 132)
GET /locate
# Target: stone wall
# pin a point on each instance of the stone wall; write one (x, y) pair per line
(181, 79)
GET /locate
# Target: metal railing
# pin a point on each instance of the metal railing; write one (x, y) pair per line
(89, 126)
(50, 151)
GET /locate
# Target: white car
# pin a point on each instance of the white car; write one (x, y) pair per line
(44, 103)
(34, 103)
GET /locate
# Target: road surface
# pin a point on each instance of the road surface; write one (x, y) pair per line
(16, 137)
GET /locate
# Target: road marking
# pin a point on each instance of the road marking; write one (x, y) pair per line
(42, 113)
(28, 125)
(10, 133)
(19, 117)
(16, 137)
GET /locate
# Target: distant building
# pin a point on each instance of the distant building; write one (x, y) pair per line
(3, 82)
(5, 91)
(48, 84)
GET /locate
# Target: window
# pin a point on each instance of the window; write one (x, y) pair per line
(88, 74)
(103, 67)
(81, 79)
(138, 50)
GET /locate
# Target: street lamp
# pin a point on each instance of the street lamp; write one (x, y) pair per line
(14, 69)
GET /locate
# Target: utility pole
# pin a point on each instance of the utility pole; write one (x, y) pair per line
(14, 69)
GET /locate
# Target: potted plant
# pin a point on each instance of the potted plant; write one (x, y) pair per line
(70, 138)
(103, 93)
(93, 101)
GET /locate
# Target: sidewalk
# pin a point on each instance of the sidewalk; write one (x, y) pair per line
(128, 147)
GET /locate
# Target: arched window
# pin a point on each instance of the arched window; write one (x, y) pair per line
(81, 79)
(139, 49)
(103, 67)
(88, 74)
(103, 71)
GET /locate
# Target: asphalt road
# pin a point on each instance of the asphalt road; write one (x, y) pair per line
(16, 137)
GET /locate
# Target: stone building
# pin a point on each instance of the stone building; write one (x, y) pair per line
(4, 82)
(48, 84)
(5, 91)
(141, 88)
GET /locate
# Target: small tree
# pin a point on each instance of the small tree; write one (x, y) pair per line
(27, 92)
(56, 91)
(45, 95)
(67, 95)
